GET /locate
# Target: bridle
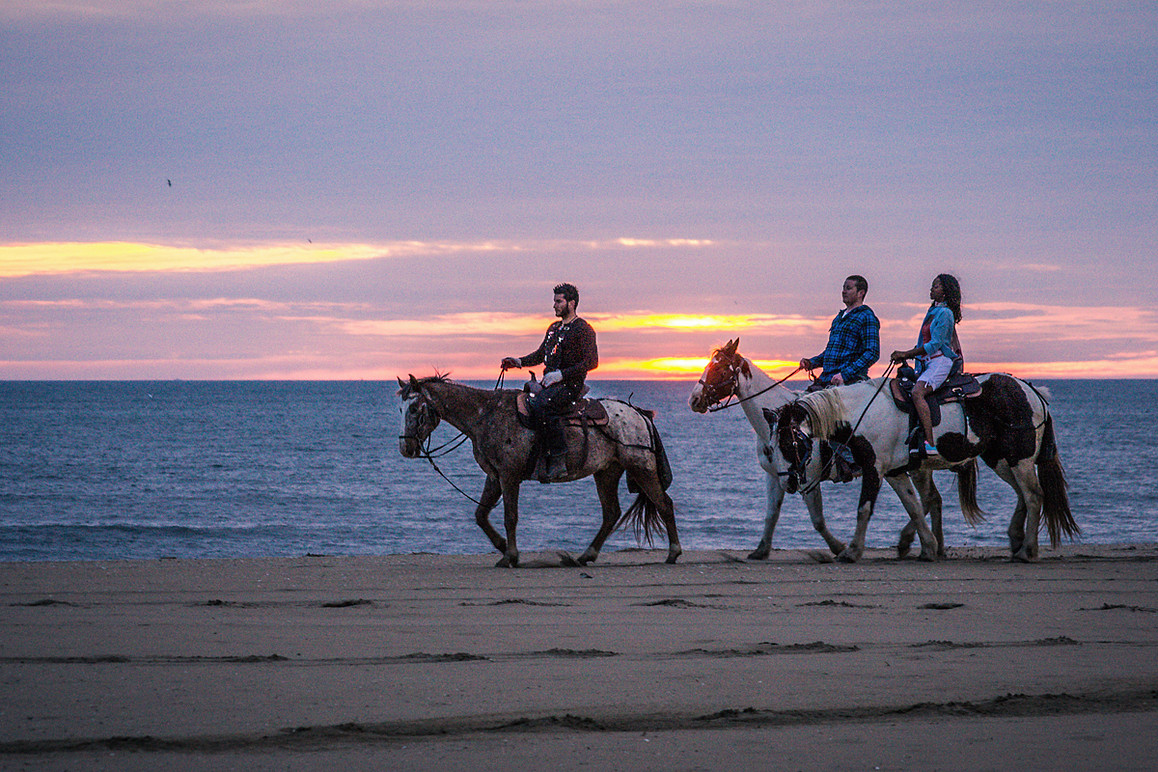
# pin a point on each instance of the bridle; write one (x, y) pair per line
(424, 405)
(720, 391)
(800, 446)
(724, 387)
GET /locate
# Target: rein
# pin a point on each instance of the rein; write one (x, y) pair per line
(449, 446)
(727, 404)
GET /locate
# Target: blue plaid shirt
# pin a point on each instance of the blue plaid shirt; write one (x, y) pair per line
(854, 344)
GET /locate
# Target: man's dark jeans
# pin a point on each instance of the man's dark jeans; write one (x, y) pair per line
(546, 407)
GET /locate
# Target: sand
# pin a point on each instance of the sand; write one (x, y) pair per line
(436, 662)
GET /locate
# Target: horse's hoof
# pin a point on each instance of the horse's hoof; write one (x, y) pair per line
(586, 558)
(928, 557)
(903, 550)
(848, 556)
(760, 553)
(503, 563)
(568, 561)
(508, 561)
(672, 557)
(838, 548)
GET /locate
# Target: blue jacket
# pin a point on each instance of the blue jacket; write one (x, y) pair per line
(937, 333)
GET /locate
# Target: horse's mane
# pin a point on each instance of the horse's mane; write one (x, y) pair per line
(829, 408)
(823, 409)
(406, 388)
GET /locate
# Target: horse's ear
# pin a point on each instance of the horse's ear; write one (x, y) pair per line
(730, 349)
(401, 383)
(403, 388)
(414, 383)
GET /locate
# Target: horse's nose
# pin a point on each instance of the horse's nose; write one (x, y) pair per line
(408, 447)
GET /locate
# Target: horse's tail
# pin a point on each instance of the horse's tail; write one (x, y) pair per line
(967, 493)
(1052, 477)
(643, 515)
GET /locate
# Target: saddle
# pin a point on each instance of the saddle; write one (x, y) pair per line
(958, 387)
(589, 412)
(582, 412)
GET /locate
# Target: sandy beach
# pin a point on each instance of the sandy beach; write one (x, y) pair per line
(435, 662)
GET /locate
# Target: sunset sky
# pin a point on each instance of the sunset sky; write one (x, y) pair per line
(351, 189)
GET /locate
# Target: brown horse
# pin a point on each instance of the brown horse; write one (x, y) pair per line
(503, 449)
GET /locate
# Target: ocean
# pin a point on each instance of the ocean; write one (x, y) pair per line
(179, 469)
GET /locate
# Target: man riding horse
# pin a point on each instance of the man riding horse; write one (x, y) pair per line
(853, 340)
(568, 352)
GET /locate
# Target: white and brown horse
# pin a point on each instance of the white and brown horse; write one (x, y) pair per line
(727, 375)
(1008, 426)
(503, 449)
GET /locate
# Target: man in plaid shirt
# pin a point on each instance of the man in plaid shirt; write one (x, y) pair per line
(854, 342)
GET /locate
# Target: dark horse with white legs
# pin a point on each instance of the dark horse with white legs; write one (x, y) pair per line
(729, 374)
(1008, 426)
(503, 449)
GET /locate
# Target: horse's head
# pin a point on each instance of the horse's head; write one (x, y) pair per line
(720, 378)
(419, 418)
(792, 439)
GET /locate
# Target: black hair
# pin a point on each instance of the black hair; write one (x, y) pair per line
(952, 289)
(568, 291)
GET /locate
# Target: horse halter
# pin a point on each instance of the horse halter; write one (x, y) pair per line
(716, 390)
(796, 447)
(425, 416)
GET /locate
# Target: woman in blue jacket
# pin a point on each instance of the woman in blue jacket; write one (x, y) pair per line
(937, 349)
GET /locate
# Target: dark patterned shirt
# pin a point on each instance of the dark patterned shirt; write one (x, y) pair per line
(569, 348)
(854, 345)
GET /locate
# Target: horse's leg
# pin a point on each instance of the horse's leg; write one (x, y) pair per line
(510, 488)
(870, 488)
(1030, 493)
(666, 509)
(814, 503)
(1017, 522)
(607, 484)
(912, 503)
(775, 497)
(931, 503)
(492, 490)
(649, 485)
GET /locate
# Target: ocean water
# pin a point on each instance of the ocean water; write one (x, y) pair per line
(147, 470)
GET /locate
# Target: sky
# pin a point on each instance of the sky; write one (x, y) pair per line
(362, 190)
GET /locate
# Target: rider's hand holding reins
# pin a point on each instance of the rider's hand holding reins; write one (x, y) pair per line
(551, 377)
(901, 356)
(511, 363)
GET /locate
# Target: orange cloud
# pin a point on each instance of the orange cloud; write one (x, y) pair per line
(60, 258)
(74, 257)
